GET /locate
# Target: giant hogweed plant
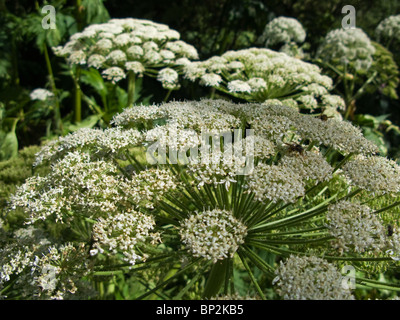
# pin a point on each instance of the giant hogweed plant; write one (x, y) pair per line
(191, 195)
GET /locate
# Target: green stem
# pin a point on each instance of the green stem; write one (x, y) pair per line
(164, 283)
(295, 218)
(341, 163)
(131, 88)
(377, 284)
(57, 113)
(260, 263)
(253, 279)
(216, 278)
(78, 96)
(388, 207)
(167, 95)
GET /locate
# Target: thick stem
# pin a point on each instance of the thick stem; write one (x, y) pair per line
(216, 278)
(167, 95)
(131, 88)
(57, 113)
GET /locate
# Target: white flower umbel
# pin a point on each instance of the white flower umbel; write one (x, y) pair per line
(74, 185)
(374, 173)
(122, 233)
(41, 94)
(137, 114)
(213, 235)
(355, 228)
(289, 186)
(101, 143)
(217, 167)
(147, 187)
(114, 74)
(121, 46)
(169, 78)
(309, 278)
(348, 46)
(39, 268)
(283, 30)
(274, 183)
(388, 30)
(310, 165)
(258, 74)
(340, 135)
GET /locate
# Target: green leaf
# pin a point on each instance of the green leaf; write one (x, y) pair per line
(9, 143)
(376, 137)
(93, 78)
(88, 122)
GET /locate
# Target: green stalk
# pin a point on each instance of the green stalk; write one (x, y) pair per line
(131, 88)
(164, 283)
(78, 96)
(295, 218)
(79, 16)
(377, 284)
(341, 163)
(167, 95)
(57, 113)
(191, 283)
(388, 207)
(216, 278)
(288, 252)
(260, 263)
(253, 279)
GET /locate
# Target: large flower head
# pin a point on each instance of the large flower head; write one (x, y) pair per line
(123, 46)
(352, 47)
(282, 30)
(257, 74)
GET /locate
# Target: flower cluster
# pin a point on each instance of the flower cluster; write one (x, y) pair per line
(374, 173)
(275, 183)
(96, 142)
(75, 185)
(260, 74)
(41, 94)
(122, 233)
(135, 46)
(310, 278)
(356, 226)
(350, 47)
(283, 30)
(45, 270)
(213, 235)
(388, 29)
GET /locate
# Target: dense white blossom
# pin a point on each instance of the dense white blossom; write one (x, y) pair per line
(309, 278)
(122, 45)
(348, 46)
(274, 183)
(258, 74)
(354, 227)
(213, 235)
(388, 29)
(374, 173)
(122, 233)
(283, 30)
(41, 94)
